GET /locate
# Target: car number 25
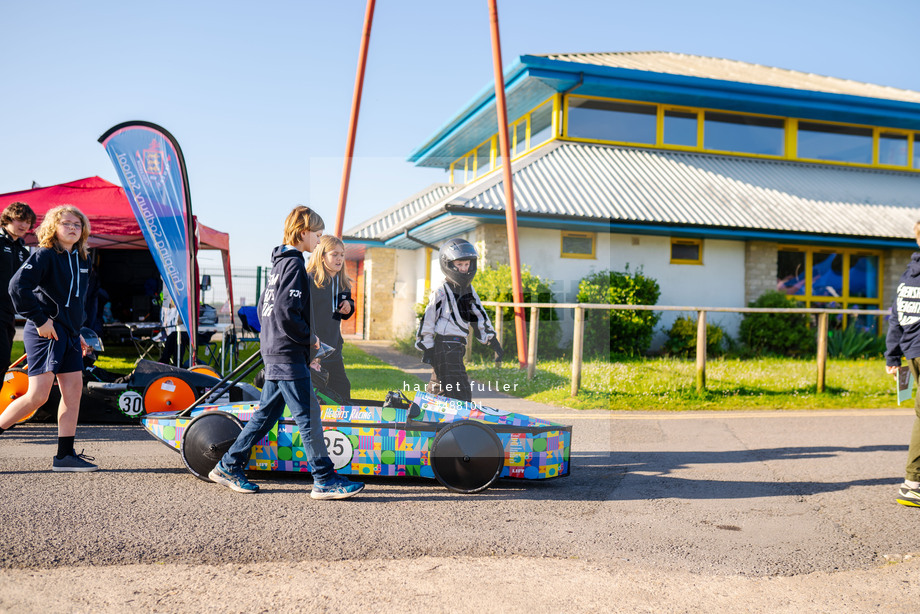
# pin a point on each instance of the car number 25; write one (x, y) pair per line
(339, 447)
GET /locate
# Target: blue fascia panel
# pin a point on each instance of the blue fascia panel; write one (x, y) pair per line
(682, 90)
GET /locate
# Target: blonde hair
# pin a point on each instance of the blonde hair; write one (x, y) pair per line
(301, 219)
(47, 230)
(316, 264)
(917, 232)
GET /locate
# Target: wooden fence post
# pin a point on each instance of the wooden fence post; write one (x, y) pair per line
(532, 343)
(577, 347)
(822, 350)
(469, 345)
(498, 325)
(701, 351)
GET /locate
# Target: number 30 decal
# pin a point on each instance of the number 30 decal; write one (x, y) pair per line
(339, 447)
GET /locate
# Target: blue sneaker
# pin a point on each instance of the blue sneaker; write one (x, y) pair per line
(233, 481)
(73, 462)
(337, 487)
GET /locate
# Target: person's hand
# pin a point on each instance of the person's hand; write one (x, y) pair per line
(344, 308)
(47, 331)
(316, 345)
(892, 370)
(428, 356)
(498, 349)
(85, 346)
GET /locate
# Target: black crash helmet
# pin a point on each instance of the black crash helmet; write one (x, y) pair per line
(458, 249)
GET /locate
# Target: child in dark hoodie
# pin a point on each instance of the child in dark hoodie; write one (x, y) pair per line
(49, 289)
(904, 341)
(287, 341)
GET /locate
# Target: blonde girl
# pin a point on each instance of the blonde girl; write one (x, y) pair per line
(49, 289)
(330, 294)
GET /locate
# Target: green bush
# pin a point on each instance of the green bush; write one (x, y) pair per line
(852, 343)
(775, 333)
(494, 284)
(619, 333)
(682, 338)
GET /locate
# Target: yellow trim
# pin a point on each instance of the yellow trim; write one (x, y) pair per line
(577, 235)
(428, 252)
(697, 242)
(790, 134)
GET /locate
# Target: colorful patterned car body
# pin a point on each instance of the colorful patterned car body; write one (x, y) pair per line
(392, 441)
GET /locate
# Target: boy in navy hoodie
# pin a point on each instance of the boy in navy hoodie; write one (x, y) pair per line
(287, 343)
(49, 289)
(904, 341)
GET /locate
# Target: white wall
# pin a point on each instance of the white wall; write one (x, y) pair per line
(718, 282)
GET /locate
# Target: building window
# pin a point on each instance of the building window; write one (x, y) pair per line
(832, 278)
(744, 133)
(606, 120)
(680, 128)
(892, 149)
(578, 244)
(541, 124)
(686, 251)
(835, 143)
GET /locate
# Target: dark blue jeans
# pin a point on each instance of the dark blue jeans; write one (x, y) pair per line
(300, 398)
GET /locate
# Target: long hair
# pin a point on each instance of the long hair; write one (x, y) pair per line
(47, 230)
(322, 276)
(298, 220)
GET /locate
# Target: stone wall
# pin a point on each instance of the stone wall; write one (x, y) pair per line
(760, 261)
(491, 242)
(379, 277)
(894, 263)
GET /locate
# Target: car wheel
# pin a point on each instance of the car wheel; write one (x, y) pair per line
(467, 457)
(206, 439)
(15, 384)
(167, 393)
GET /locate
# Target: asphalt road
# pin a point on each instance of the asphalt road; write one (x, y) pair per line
(787, 511)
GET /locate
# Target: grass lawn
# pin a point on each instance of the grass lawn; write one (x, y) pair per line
(670, 384)
(638, 384)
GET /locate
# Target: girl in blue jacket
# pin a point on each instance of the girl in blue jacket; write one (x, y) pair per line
(49, 289)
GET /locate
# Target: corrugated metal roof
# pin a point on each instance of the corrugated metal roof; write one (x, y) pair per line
(734, 70)
(664, 187)
(397, 216)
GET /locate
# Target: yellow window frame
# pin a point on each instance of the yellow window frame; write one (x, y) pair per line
(564, 234)
(683, 241)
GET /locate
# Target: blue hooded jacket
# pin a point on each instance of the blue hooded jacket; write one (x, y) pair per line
(52, 284)
(284, 311)
(904, 324)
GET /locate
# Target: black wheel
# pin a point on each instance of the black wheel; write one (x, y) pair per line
(206, 439)
(467, 457)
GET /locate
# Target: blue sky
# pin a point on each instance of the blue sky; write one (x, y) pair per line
(258, 94)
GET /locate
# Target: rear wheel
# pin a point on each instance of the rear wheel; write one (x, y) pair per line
(467, 457)
(167, 393)
(15, 384)
(206, 439)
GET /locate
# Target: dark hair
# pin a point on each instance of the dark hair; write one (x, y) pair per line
(18, 211)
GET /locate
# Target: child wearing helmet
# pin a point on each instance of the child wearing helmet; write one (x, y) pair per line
(452, 309)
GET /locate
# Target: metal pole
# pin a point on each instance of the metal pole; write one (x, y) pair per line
(510, 213)
(353, 122)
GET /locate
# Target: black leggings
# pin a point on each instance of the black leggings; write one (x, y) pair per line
(448, 377)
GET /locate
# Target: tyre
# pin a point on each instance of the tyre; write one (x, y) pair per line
(206, 439)
(467, 457)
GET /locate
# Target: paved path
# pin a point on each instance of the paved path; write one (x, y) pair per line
(663, 512)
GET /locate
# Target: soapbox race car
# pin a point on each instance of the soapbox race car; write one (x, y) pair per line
(465, 446)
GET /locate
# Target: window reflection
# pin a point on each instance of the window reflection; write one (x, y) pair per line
(835, 143)
(612, 121)
(827, 274)
(541, 124)
(892, 149)
(743, 133)
(680, 128)
(790, 272)
(864, 276)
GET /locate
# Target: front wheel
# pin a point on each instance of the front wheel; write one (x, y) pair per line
(206, 439)
(467, 457)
